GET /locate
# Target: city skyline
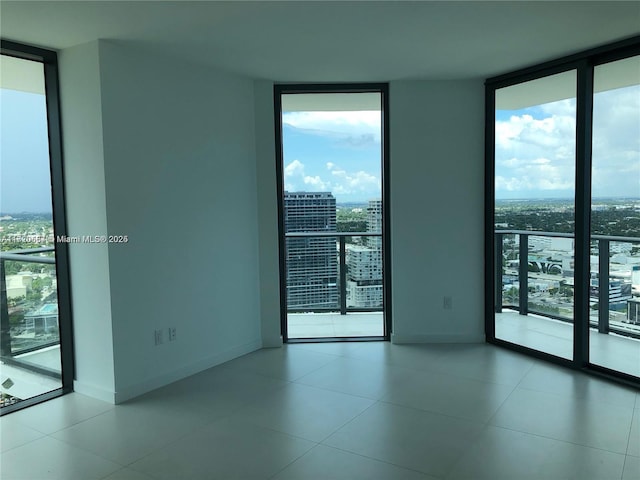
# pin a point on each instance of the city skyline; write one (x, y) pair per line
(340, 151)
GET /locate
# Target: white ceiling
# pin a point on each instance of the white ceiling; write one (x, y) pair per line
(21, 75)
(331, 102)
(331, 41)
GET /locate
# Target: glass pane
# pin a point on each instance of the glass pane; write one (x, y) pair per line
(615, 218)
(30, 347)
(534, 213)
(332, 155)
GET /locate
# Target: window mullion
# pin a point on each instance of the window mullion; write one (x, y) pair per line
(584, 113)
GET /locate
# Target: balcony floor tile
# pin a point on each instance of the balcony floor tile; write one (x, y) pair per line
(612, 351)
(322, 325)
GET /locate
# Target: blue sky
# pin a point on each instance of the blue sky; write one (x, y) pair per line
(338, 152)
(25, 183)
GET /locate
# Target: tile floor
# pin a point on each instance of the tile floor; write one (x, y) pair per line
(541, 333)
(342, 411)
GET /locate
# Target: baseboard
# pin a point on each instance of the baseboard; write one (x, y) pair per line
(274, 342)
(399, 339)
(93, 391)
(132, 391)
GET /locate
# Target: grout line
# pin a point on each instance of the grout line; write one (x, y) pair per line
(493, 415)
(348, 422)
(293, 461)
(633, 417)
(546, 437)
(340, 392)
(432, 412)
(404, 467)
(510, 394)
(366, 456)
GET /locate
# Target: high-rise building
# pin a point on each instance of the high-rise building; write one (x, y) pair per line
(364, 264)
(374, 225)
(312, 263)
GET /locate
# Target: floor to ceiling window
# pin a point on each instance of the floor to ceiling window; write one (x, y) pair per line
(563, 210)
(614, 298)
(34, 303)
(534, 211)
(332, 208)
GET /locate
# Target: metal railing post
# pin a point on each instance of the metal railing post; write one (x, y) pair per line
(604, 270)
(5, 326)
(499, 272)
(603, 286)
(523, 274)
(343, 275)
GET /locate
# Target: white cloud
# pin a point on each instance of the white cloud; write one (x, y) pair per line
(538, 154)
(296, 179)
(295, 168)
(351, 129)
(535, 177)
(522, 163)
(526, 135)
(316, 183)
(355, 182)
(616, 142)
(341, 182)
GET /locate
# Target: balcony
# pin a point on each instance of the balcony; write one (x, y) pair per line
(334, 285)
(30, 335)
(534, 299)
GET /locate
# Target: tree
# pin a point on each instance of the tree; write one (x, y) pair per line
(566, 291)
(512, 294)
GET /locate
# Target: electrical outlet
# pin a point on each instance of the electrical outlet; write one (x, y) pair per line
(172, 334)
(447, 303)
(159, 337)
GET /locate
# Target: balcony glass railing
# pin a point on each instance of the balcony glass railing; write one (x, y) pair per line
(334, 272)
(543, 284)
(29, 333)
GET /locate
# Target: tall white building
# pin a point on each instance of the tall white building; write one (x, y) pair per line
(364, 264)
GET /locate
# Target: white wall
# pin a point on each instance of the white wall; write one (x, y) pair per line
(180, 182)
(180, 177)
(181, 159)
(81, 113)
(268, 215)
(437, 213)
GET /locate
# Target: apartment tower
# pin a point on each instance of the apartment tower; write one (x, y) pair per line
(364, 264)
(312, 266)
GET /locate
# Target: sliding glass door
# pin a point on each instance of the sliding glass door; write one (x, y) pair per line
(332, 211)
(563, 210)
(35, 347)
(535, 125)
(614, 300)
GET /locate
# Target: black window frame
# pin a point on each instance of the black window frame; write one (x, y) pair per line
(49, 60)
(383, 90)
(583, 63)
